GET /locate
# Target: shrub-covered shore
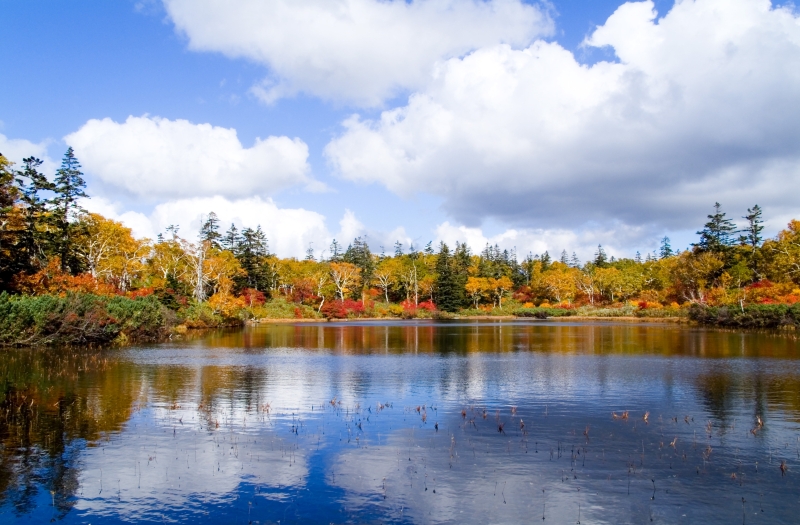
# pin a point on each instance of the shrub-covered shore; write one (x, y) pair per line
(81, 319)
(759, 316)
(77, 277)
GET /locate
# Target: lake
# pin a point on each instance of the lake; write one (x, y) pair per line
(408, 422)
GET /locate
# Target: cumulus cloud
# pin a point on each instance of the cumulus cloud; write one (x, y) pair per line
(154, 157)
(360, 51)
(698, 106)
(17, 149)
(619, 240)
(290, 231)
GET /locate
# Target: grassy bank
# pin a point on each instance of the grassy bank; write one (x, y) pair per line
(81, 319)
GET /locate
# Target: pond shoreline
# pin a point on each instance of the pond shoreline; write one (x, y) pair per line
(626, 319)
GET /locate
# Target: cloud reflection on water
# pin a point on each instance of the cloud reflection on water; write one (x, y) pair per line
(300, 405)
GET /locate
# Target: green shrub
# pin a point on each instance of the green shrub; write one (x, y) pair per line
(280, 308)
(80, 319)
(201, 315)
(752, 316)
(543, 313)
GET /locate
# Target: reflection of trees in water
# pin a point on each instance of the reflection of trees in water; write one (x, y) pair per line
(502, 336)
(722, 391)
(52, 402)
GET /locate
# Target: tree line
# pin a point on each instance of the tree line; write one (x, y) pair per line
(50, 245)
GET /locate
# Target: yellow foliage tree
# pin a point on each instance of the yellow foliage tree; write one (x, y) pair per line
(110, 251)
(477, 288)
(344, 275)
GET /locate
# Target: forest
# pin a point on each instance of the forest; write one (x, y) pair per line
(67, 275)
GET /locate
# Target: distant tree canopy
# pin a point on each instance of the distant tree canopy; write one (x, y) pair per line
(49, 244)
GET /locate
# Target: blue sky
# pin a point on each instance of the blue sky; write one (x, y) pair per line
(538, 139)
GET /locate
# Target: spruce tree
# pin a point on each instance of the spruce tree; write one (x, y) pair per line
(359, 254)
(8, 196)
(32, 244)
(717, 234)
(68, 187)
(447, 296)
(752, 232)
(462, 259)
(600, 257)
(665, 249)
(336, 251)
(252, 251)
(209, 231)
(231, 240)
(546, 260)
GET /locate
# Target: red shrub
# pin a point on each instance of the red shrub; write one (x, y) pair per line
(427, 305)
(303, 291)
(253, 297)
(355, 307)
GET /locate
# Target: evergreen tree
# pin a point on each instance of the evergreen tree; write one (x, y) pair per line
(398, 249)
(638, 257)
(252, 251)
(429, 248)
(447, 294)
(209, 231)
(716, 235)
(8, 196)
(528, 266)
(575, 262)
(173, 230)
(310, 254)
(336, 251)
(68, 187)
(600, 257)
(462, 259)
(665, 250)
(564, 257)
(752, 232)
(359, 254)
(32, 244)
(546, 261)
(231, 240)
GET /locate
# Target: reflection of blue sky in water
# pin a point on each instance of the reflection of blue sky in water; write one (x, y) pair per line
(307, 460)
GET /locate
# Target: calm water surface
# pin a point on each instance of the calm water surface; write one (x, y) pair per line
(408, 422)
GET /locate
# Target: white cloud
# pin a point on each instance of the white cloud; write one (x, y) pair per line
(619, 240)
(17, 149)
(154, 157)
(360, 51)
(702, 105)
(289, 231)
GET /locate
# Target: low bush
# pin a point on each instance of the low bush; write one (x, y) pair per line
(280, 308)
(78, 318)
(543, 313)
(751, 316)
